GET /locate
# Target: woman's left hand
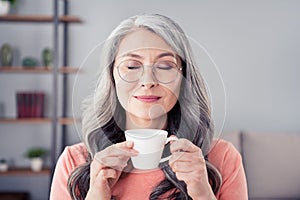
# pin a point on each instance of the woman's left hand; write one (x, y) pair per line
(188, 163)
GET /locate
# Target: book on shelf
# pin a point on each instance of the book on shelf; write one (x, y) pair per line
(30, 104)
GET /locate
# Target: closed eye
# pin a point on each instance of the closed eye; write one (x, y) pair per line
(133, 67)
(165, 65)
(130, 65)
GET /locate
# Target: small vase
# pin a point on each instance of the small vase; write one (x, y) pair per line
(4, 7)
(3, 167)
(6, 54)
(36, 164)
(30, 62)
(47, 57)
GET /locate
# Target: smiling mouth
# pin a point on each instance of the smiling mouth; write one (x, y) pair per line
(147, 99)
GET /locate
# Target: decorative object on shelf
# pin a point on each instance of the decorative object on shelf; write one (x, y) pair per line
(47, 57)
(30, 62)
(29, 69)
(6, 6)
(30, 104)
(2, 110)
(36, 155)
(6, 54)
(3, 165)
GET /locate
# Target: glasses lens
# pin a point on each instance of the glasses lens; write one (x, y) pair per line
(165, 71)
(130, 70)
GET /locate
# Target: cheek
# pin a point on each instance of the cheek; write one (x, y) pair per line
(172, 95)
(124, 91)
(174, 89)
(170, 100)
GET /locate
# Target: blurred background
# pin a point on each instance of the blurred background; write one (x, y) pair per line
(254, 45)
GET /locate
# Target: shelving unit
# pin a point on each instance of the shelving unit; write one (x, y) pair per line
(61, 121)
(25, 172)
(54, 71)
(41, 69)
(39, 18)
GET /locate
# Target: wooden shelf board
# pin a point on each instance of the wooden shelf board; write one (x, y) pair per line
(68, 120)
(39, 18)
(68, 70)
(24, 172)
(40, 69)
(25, 120)
(62, 121)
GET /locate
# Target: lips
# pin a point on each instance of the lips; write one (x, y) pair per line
(147, 99)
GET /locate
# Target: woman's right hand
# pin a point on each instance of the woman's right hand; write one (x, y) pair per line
(106, 169)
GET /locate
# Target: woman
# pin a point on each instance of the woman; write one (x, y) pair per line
(150, 81)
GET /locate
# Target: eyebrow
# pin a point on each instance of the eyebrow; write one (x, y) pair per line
(159, 56)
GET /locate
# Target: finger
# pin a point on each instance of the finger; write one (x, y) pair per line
(190, 178)
(183, 145)
(107, 173)
(95, 168)
(181, 176)
(115, 156)
(182, 167)
(103, 178)
(112, 162)
(125, 144)
(122, 149)
(117, 163)
(178, 156)
(186, 156)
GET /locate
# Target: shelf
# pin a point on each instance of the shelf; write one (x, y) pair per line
(62, 121)
(25, 121)
(40, 69)
(24, 172)
(68, 121)
(39, 18)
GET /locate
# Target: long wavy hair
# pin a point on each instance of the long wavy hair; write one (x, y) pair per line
(103, 121)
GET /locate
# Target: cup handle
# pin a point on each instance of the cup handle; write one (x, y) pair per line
(169, 139)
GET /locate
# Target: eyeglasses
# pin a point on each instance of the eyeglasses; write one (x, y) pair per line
(163, 71)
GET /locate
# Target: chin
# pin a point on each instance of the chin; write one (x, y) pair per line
(146, 115)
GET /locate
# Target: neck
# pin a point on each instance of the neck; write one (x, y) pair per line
(133, 122)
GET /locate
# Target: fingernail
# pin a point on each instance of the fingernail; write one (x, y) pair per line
(135, 152)
(129, 144)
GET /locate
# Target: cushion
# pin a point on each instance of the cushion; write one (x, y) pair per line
(272, 164)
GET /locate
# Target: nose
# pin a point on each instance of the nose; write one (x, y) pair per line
(147, 79)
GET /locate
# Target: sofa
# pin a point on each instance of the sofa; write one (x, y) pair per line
(271, 162)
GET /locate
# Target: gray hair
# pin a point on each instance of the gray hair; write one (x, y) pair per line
(102, 109)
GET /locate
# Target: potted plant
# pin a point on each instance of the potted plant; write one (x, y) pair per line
(6, 5)
(3, 165)
(36, 157)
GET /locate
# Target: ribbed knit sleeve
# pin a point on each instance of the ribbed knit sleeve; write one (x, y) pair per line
(71, 158)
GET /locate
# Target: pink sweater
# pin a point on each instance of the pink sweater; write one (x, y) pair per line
(138, 186)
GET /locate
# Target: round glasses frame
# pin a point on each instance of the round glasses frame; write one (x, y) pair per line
(154, 68)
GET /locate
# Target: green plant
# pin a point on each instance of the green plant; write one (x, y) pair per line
(36, 152)
(12, 2)
(3, 161)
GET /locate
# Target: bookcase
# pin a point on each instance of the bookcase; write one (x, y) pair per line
(56, 120)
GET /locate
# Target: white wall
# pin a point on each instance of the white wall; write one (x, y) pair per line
(255, 45)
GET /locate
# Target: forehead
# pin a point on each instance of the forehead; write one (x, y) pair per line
(142, 40)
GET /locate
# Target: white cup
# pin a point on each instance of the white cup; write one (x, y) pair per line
(150, 145)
